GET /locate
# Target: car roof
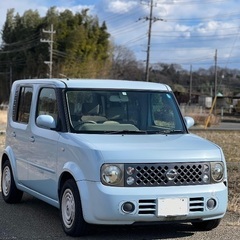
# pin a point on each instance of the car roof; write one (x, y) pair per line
(98, 84)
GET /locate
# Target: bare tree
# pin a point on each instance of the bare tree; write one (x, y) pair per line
(125, 65)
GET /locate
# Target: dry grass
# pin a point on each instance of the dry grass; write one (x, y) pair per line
(3, 117)
(228, 140)
(234, 187)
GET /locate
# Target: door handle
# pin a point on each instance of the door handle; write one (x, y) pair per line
(13, 134)
(32, 139)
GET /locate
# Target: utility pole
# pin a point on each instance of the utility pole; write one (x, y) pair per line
(215, 80)
(151, 20)
(215, 83)
(50, 41)
(190, 87)
(10, 75)
(149, 42)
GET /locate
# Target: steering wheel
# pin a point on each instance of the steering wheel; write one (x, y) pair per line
(78, 126)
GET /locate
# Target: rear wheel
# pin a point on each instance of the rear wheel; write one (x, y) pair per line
(71, 210)
(10, 193)
(206, 225)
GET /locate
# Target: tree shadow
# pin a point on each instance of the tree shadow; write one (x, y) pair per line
(141, 232)
(42, 220)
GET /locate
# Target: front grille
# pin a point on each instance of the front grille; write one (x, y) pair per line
(196, 204)
(166, 174)
(147, 207)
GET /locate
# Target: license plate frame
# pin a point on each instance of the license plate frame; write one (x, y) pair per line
(172, 207)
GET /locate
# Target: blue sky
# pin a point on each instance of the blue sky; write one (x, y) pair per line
(188, 33)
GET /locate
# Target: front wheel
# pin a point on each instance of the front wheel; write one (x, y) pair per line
(71, 210)
(206, 225)
(10, 193)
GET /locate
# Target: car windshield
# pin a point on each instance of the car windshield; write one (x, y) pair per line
(123, 112)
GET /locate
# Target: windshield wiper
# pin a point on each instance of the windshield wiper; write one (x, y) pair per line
(166, 131)
(137, 132)
(172, 131)
(127, 132)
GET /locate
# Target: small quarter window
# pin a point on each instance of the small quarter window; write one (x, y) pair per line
(47, 103)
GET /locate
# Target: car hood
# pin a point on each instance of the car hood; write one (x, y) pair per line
(154, 148)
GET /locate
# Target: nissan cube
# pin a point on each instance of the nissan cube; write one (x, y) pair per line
(110, 152)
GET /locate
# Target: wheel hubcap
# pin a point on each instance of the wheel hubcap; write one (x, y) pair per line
(6, 181)
(68, 208)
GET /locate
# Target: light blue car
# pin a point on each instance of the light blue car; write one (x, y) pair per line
(110, 152)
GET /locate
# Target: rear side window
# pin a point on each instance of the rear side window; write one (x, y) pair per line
(24, 97)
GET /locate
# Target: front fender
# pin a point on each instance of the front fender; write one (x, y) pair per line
(71, 169)
(74, 169)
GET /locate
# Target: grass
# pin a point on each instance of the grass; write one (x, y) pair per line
(3, 117)
(228, 140)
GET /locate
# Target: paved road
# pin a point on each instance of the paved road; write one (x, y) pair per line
(221, 126)
(33, 219)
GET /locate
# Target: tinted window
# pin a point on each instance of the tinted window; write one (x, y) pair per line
(25, 99)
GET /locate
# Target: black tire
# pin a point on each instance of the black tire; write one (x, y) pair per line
(71, 210)
(10, 193)
(206, 225)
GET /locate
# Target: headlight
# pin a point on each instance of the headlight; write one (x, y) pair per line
(217, 171)
(112, 174)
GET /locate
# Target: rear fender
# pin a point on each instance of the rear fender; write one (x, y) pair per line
(9, 155)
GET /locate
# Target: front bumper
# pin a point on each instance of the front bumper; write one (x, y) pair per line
(104, 205)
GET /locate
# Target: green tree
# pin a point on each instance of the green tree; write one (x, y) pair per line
(80, 49)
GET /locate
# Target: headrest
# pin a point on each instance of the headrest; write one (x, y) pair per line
(90, 109)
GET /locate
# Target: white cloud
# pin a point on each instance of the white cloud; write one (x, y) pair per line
(118, 6)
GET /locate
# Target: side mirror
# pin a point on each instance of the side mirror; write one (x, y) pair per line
(46, 121)
(189, 121)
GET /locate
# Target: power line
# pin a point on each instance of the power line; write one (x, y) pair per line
(28, 40)
(233, 45)
(126, 30)
(218, 17)
(23, 48)
(191, 2)
(19, 46)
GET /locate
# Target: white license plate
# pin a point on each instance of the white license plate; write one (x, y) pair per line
(172, 207)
